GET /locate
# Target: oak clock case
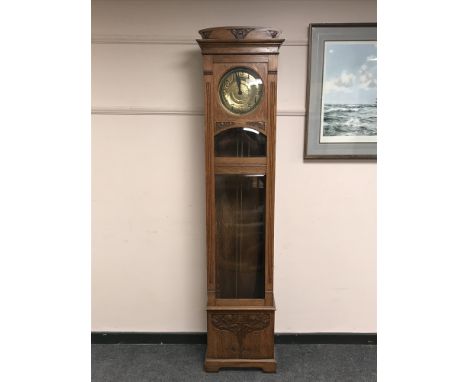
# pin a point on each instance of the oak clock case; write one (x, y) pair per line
(240, 77)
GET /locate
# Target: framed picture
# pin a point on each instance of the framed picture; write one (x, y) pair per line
(341, 120)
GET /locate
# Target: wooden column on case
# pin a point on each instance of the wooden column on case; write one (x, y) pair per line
(240, 325)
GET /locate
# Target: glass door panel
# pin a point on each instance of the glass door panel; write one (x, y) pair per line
(240, 142)
(240, 236)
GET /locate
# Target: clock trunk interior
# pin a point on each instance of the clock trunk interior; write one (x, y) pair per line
(240, 175)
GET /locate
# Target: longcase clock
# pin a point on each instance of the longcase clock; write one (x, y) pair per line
(240, 72)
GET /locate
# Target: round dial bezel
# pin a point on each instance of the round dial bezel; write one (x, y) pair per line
(234, 90)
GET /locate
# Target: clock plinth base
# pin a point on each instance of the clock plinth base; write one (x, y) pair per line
(239, 337)
(267, 365)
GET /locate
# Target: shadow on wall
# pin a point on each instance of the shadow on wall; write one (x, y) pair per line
(191, 62)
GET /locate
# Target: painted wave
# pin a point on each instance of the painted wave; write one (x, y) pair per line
(349, 120)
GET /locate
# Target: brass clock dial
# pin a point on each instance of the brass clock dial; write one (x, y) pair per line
(240, 90)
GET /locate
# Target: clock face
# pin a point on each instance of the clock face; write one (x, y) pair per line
(241, 90)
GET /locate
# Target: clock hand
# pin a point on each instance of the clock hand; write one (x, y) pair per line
(238, 80)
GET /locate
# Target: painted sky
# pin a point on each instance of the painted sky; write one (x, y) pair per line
(350, 73)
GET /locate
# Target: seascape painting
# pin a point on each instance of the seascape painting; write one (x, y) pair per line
(349, 92)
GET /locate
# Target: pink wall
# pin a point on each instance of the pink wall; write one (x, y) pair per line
(148, 249)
